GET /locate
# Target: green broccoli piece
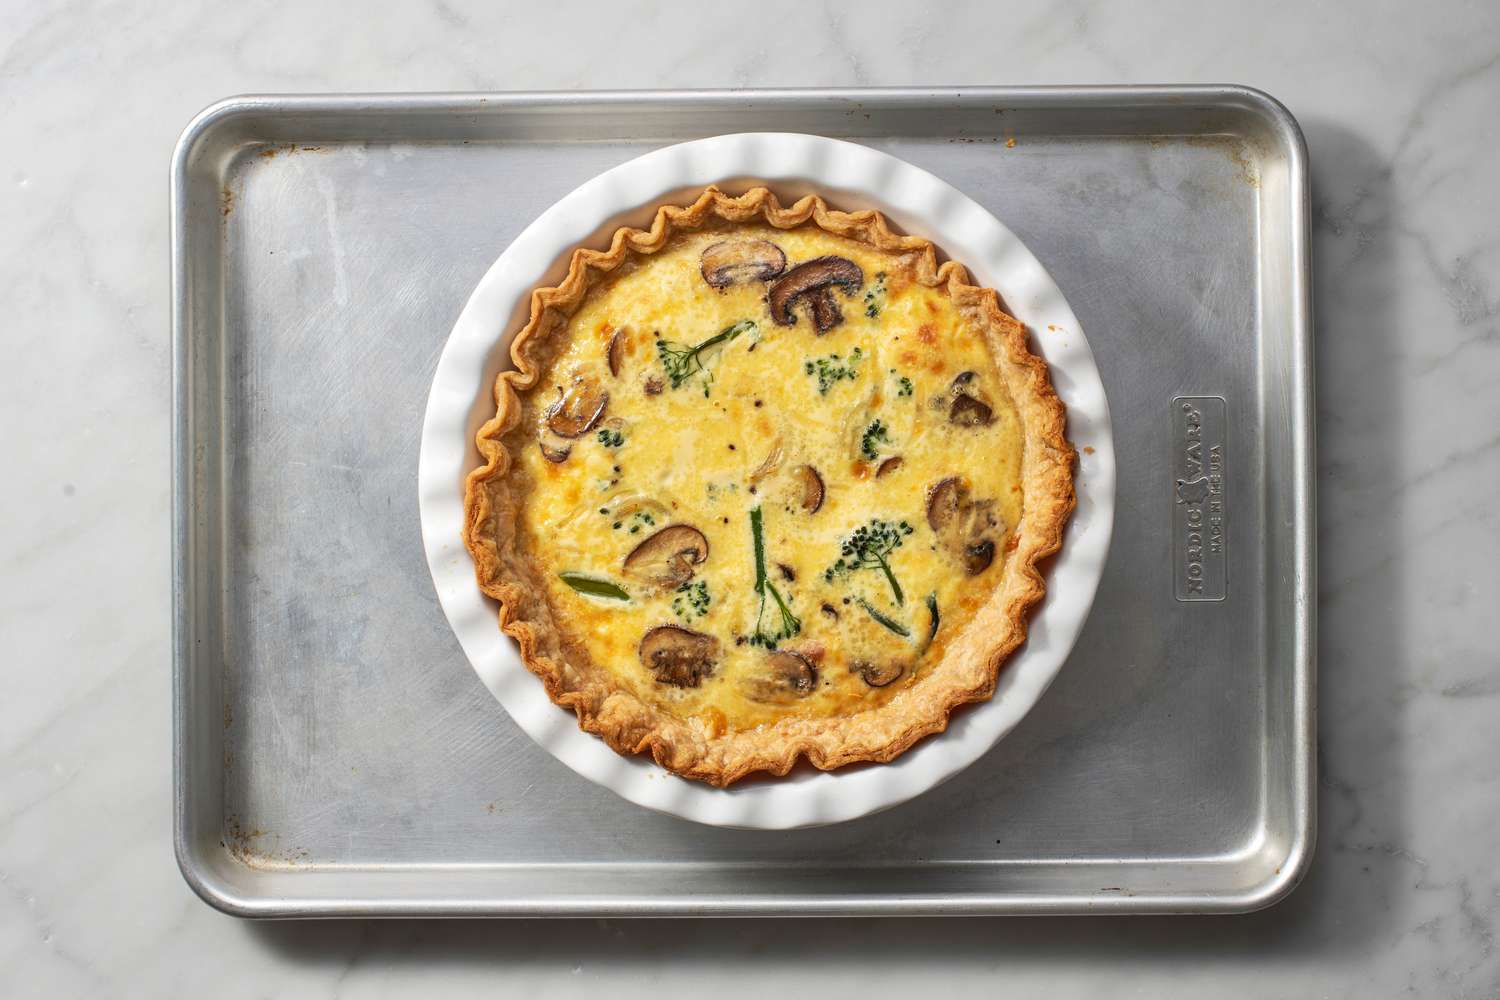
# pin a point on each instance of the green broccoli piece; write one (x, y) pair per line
(869, 547)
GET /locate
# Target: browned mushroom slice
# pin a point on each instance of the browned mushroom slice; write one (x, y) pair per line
(967, 411)
(970, 407)
(889, 465)
(943, 500)
(668, 558)
(813, 281)
(678, 656)
(966, 527)
(578, 408)
(811, 485)
(878, 675)
(825, 309)
(790, 676)
(734, 262)
(614, 353)
(978, 555)
(554, 453)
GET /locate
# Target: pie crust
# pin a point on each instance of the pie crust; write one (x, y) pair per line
(701, 747)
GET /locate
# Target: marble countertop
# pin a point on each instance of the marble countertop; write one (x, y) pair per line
(1398, 102)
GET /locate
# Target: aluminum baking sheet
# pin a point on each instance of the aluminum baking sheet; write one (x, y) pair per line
(335, 755)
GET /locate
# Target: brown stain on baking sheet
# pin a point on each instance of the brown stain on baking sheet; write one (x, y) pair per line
(249, 847)
(1234, 150)
(227, 196)
(271, 152)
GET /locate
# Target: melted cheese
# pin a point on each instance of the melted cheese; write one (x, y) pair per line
(686, 455)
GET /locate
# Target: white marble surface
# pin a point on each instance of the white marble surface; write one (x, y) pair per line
(1399, 104)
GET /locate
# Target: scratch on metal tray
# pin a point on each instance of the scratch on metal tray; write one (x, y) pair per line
(330, 204)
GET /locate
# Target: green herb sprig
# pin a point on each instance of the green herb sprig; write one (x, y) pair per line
(790, 623)
(936, 619)
(681, 362)
(885, 619)
(594, 587)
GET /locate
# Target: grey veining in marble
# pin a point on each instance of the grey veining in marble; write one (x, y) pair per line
(1398, 102)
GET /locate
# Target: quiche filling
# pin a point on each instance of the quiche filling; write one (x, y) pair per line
(769, 475)
(767, 483)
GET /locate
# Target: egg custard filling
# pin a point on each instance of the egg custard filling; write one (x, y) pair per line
(767, 483)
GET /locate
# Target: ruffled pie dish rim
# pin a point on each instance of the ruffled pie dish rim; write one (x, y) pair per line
(855, 176)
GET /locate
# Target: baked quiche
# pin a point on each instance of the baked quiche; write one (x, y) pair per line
(767, 483)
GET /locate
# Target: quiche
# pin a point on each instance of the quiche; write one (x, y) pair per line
(767, 482)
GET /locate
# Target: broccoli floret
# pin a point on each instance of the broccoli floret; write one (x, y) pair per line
(875, 296)
(692, 600)
(869, 547)
(833, 369)
(874, 436)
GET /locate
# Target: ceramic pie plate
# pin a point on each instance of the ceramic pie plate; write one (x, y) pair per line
(850, 177)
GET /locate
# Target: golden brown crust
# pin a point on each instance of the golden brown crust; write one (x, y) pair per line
(970, 667)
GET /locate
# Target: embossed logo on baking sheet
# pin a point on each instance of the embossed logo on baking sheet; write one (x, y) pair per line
(1199, 503)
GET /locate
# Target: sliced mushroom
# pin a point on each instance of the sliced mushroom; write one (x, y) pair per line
(943, 499)
(577, 409)
(678, 656)
(668, 558)
(790, 676)
(878, 675)
(614, 353)
(814, 281)
(889, 465)
(825, 309)
(966, 527)
(967, 411)
(556, 454)
(978, 556)
(970, 407)
(812, 487)
(734, 262)
(793, 670)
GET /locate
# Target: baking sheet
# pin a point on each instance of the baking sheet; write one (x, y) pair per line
(335, 755)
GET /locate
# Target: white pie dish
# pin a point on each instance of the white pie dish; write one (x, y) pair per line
(851, 177)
